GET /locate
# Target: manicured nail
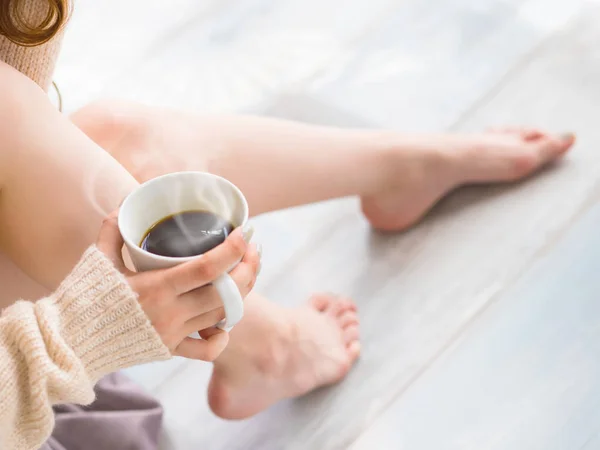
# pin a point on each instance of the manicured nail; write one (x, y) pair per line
(259, 250)
(567, 136)
(247, 232)
(259, 268)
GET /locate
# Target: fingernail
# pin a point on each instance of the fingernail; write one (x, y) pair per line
(259, 268)
(247, 232)
(567, 136)
(259, 250)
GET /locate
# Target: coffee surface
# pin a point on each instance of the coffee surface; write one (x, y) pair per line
(188, 233)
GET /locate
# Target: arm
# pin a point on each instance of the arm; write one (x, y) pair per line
(103, 318)
(56, 187)
(54, 350)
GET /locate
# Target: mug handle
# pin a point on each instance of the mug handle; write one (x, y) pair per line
(233, 303)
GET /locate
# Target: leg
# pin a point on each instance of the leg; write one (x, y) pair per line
(279, 164)
(267, 159)
(56, 186)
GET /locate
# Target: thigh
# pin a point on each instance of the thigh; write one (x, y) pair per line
(56, 184)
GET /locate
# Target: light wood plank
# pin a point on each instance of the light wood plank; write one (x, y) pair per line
(106, 39)
(245, 52)
(432, 60)
(525, 375)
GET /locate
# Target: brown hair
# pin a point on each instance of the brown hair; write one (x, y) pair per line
(14, 24)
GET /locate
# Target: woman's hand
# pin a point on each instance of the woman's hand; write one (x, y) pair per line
(180, 300)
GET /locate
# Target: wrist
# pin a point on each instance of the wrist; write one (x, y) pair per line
(102, 320)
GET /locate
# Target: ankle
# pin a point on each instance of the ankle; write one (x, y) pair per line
(273, 358)
(276, 333)
(412, 159)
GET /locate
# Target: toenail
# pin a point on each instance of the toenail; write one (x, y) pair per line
(355, 347)
(567, 136)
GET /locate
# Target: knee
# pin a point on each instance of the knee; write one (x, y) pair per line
(110, 123)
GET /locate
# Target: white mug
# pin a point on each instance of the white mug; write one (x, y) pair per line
(174, 193)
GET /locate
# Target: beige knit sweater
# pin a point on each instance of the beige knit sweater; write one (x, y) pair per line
(54, 350)
(36, 62)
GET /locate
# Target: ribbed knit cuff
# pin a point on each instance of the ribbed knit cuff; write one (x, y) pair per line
(102, 320)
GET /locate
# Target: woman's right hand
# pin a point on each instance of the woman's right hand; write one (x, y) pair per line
(180, 300)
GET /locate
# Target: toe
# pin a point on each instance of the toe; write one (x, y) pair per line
(353, 350)
(541, 151)
(335, 309)
(551, 147)
(528, 134)
(321, 302)
(351, 334)
(347, 318)
(340, 306)
(332, 304)
(346, 305)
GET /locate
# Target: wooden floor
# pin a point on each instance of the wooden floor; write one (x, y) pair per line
(481, 327)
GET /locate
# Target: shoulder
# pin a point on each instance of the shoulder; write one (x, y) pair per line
(15, 88)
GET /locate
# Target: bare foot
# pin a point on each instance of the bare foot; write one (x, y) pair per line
(275, 353)
(437, 165)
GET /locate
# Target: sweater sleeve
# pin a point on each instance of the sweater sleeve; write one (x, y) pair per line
(54, 350)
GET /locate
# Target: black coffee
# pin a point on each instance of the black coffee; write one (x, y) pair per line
(188, 233)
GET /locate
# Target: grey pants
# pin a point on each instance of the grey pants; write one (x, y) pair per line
(123, 417)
